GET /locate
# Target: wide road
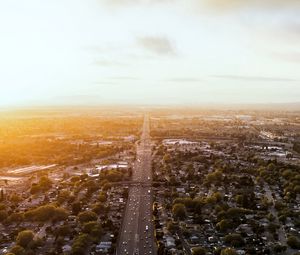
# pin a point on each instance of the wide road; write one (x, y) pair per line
(137, 232)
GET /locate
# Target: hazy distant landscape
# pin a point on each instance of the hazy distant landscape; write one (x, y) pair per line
(210, 181)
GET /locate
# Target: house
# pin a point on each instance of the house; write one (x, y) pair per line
(103, 246)
(66, 248)
(170, 242)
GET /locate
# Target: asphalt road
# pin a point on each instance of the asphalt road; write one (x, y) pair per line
(137, 232)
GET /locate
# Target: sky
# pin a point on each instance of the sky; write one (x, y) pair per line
(190, 52)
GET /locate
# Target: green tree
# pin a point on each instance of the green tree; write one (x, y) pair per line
(63, 196)
(25, 238)
(224, 225)
(79, 245)
(229, 251)
(15, 198)
(16, 217)
(179, 211)
(46, 212)
(99, 208)
(107, 186)
(167, 158)
(60, 214)
(35, 188)
(17, 250)
(235, 240)
(293, 242)
(171, 227)
(45, 183)
(87, 216)
(94, 229)
(102, 197)
(76, 207)
(277, 248)
(3, 215)
(64, 230)
(198, 251)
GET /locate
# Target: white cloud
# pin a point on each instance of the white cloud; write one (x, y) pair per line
(158, 45)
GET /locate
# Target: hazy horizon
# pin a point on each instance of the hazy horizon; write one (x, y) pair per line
(84, 108)
(151, 52)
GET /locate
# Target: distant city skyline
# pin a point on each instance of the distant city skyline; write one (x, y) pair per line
(191, 52)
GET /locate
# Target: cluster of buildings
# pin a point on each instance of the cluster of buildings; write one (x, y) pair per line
(87, 188)
(224, 176)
